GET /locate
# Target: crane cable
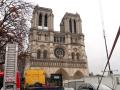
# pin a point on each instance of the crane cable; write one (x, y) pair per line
(115, 41)
(102, 22)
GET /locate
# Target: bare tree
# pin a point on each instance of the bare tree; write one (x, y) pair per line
(14, 17)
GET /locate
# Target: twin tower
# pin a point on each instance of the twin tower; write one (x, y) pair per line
(61, 51)
(43, 18)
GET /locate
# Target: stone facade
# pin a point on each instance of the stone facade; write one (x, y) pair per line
(57, 52)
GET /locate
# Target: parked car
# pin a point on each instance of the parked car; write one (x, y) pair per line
(93, 86)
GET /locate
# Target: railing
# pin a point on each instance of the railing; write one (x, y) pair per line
(58, 63)
(44, 88)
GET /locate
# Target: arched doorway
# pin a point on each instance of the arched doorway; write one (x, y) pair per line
(65, 75)
(78, 75)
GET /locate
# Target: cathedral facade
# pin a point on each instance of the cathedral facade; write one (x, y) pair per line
(57, 51)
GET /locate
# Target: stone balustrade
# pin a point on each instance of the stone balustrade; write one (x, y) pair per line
(58, 63)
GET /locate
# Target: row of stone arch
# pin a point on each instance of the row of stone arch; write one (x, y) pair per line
(44, 54)
(77, 75)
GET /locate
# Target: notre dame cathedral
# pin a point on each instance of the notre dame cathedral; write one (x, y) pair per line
(57, 51)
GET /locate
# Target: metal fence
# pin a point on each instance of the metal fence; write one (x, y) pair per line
(44, 88)
(73, 84)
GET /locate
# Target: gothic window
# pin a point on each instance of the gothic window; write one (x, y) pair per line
(45, 20)
(73, 55)
(46, 37)
(54, 39)
(71, 40)
(57, 39)
(39, 37)
(38, 54)
(70, 25)
(40, 19)
(63, 39)
(78, 56)
(45, 54)
(74, 26)
(59, 52)
(75, 40)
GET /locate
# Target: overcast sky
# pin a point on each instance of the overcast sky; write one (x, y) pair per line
(92, 28)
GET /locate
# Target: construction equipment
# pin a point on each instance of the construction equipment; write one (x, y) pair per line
(37, 79)
(34, 77)
(10, 67)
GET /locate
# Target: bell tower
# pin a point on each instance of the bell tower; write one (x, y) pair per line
(71, 23)
(42, 18)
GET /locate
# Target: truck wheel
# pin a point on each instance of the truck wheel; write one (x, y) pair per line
(37, 84)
